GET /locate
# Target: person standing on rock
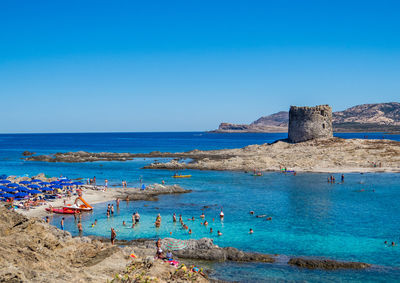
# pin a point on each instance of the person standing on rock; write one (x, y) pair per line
(113, 235)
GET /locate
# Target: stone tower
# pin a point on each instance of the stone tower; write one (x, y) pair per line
(307, 123)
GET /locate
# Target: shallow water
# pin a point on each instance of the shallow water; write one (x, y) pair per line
(309, 216)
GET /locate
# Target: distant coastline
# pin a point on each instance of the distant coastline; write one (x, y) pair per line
(372, 118)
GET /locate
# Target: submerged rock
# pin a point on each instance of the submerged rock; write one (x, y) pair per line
(326, 264)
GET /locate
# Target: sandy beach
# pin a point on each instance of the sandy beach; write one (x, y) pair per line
(93, 196)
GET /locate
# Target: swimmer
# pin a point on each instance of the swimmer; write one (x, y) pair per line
(123, 223)
(205, 223)
(133, 225)
(174, 217)
(190, 231)
(219, 233)
(191, 219)
(95, 222)
(393, 244)
(269, 218)
(202, 215)
(251, 212)
(251, 231)
(221, 214)
(211, 230)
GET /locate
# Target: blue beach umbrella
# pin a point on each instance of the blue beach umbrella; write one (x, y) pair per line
(4, 181)
(23, 189)
(35, 181)
(9, 190)
(25, 182)
(56, 186)
(33, 186)
(13, 185)
(21, 195)
(77, 183)
(34, 192)
(7, 195)
(55, 182)
(3, 187)
(45, 183)
(47, 189)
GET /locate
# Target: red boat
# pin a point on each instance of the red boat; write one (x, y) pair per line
(62, 210)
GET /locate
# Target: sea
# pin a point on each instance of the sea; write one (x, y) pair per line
(347, 221)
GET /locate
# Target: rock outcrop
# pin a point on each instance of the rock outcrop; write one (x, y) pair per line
(326, 264)
(33, 251)
(307, 123)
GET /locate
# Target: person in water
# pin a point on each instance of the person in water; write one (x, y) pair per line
(95, 222)
(174, 217)
(251, 231)
(137, 217)
(62, 223)
(211, 230)
(190, 231)
(123, 223)
(219, 233)
(205, 223)
(202, 215)
(113, 236)
(221, 214)
(80, 228)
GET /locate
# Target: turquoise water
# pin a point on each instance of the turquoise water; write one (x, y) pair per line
(310, 217)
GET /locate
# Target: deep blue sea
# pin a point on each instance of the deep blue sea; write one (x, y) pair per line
(310, 217)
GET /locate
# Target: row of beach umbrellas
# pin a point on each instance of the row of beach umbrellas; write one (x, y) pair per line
(24, 188)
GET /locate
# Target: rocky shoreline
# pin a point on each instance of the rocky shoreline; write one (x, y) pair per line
(318, 155)
(34, 251)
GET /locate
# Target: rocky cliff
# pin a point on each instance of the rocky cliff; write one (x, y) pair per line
(380, 117)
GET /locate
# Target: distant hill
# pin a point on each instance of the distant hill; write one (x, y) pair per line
(380, 117)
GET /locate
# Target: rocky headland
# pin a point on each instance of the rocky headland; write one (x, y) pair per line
(317, 155)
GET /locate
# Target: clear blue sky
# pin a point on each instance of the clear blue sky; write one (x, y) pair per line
(79, 66)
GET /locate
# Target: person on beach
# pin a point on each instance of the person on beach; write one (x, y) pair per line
(105, 184)
(174, 217)
(163, 182)
(94, 180)
(62, 223)
(113, 236)
(80, 228)
(47, 219)
(251, 231)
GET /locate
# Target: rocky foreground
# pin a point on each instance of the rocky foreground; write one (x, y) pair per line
(33, 251)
